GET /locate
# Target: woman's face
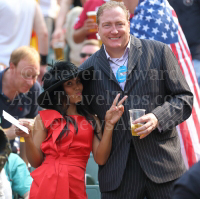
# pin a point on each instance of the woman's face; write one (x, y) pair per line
(73, 89)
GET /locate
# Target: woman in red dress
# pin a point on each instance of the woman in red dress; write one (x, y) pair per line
(64, 135)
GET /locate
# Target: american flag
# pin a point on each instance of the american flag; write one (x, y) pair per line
(156, 20)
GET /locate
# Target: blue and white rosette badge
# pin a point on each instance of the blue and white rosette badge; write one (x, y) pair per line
(121, 74)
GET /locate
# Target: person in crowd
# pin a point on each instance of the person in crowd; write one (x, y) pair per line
(19, 89)
(18, 19)
(188, 185)
(189, 16)
(5, 150)
(5, 189)
(66, 31)
(161, 24)
(18, 175)
(49, 9)
(88, 49)
(74, 48)
(84, 24)
(15, 172)
(65, 133)
(64, 9)
(146, 71)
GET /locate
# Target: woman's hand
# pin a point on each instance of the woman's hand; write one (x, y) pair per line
(115, 111)
(102, 149)
(21, 133)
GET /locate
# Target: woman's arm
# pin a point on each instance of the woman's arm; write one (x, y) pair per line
(102, 148)
(33, 140)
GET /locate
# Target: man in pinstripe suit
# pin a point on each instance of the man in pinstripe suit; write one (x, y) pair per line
(149, 164)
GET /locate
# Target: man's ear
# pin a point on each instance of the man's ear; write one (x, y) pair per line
(12, 66)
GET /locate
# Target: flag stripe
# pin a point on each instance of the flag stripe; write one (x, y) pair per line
(182, 148)
(184, 66)
(197, 94)
(186, 69)
(188, 144)
(193, 124)
(190, 133)
(183, 126)
(193, 78)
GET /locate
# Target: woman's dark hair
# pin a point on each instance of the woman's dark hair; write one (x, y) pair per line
(60, 102)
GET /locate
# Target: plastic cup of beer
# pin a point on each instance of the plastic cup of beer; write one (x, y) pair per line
(59, 50)
(31, 123)
(92, 15)
(135, 114)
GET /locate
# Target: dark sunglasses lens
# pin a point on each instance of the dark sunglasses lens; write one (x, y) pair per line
(83, 55)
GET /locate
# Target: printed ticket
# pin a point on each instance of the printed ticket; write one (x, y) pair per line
(14, 121)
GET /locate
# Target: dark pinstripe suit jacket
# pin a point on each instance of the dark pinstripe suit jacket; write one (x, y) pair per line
(155, 83)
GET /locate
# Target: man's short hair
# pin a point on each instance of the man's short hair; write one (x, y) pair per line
(112, 4)
(91, 42)
(24, 52)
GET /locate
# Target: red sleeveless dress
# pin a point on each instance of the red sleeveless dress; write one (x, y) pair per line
(62, 174)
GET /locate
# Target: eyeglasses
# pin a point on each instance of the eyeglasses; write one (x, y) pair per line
(83, 55)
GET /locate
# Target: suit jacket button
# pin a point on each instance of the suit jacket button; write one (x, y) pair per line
(125, 92)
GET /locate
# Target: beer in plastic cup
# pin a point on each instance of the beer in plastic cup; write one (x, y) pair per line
(135, 114)
(59, 50)
(92, 15)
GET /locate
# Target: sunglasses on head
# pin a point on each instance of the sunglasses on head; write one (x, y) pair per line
(83, 55)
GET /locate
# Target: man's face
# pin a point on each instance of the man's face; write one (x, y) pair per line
(114, 30)
(25, 75)
(87, 51)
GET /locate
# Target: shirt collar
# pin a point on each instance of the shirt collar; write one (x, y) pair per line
(127, 49)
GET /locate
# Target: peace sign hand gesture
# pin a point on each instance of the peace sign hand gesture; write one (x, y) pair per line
(115, 111)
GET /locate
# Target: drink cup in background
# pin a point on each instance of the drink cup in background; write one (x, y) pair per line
(59, 50)
(135, 114)
(92, 15)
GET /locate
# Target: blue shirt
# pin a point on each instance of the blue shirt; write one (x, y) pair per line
(23, 106)
(18, 174)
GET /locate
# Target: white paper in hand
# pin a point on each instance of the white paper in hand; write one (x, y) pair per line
(12, 120)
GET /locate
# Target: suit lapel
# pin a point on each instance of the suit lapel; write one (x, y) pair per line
(135, 53)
